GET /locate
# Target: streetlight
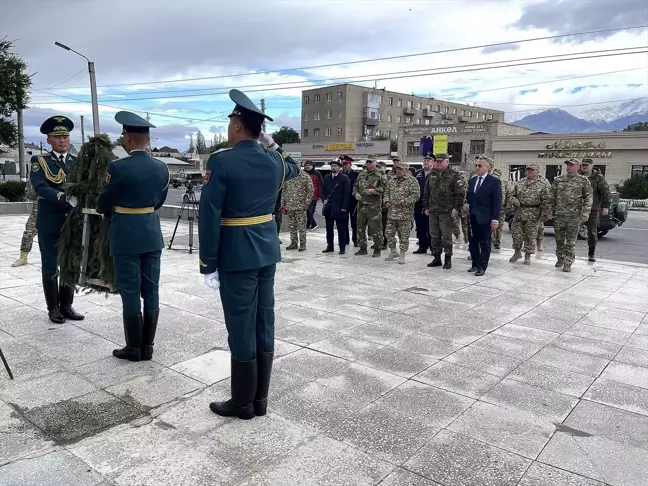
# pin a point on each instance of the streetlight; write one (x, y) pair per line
(93, 87)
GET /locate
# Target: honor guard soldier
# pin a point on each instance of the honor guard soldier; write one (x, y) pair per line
(135, 188)
(239, 250)
(47, 175)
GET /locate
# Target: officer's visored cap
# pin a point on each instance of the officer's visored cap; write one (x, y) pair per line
(57, 125)
(133, 123)
(587, 161)
(429, 156)
(532, 167)
(572, 162)
(336, 162)
(442, 157)
(345, 159)
(245, 109)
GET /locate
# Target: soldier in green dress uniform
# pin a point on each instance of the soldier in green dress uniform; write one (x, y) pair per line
(239, 250)
(136, 187)
(47, 175)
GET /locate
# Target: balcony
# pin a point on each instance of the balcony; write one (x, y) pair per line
(428, 113)
(370, 122)
(408, 111)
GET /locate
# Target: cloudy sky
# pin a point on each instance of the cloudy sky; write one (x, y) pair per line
(177, 60)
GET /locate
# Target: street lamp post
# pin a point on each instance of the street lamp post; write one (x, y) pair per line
(93, 87)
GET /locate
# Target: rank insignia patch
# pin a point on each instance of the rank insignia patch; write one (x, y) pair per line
(35, 167)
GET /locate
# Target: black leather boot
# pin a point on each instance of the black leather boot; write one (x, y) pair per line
(447, 263)
(148, 333)
(420, 251)
(264, 367)
(51, 291)
(436, 262)
(328, 249)
(590, 254)
(244, 389)
(133, 334)
(66, 297)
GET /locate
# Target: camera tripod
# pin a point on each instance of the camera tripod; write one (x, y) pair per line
(190, 205)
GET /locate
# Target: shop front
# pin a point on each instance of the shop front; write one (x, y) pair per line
(322, 153)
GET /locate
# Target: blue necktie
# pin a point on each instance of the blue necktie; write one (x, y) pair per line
(478, 185)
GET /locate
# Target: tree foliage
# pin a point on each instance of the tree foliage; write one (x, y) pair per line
(637, 127)
(14, 90)
(201, 145)
(192, 147)
(285, 135)
(118, 141)
(634, 188)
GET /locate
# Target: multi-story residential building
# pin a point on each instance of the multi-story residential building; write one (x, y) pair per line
(351, 113)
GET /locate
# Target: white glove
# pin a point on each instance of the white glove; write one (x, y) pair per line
(212, 281)
(267, 141)
(72, 201)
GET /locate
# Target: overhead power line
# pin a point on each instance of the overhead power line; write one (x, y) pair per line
(398, 75)
(389, 58)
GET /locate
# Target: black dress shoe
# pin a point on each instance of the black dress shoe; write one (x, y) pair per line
(55, 316)
(472, 269)
(328, 249)
(420, 251)
(342, 251)
(480, 272)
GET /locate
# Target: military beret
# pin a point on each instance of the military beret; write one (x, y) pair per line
(587, 161)
(532, 167)
(572, 162)
(57, 125)
(133, 123)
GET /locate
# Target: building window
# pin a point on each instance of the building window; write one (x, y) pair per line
(438, 108)
(372, 115)
(380, 99)
(390, 101)
(641, 170)
(418, 121)
(339, 131)
(305, 117)
(470, 114)
(339, 113)
(329, 96)
(601, 169)
(317, 98)
(329, 114)
(305, 132)
(327, 132)
(398, 119)
(399, 103)
(427, 121)
(377, 134)
(477, 147)
(517, 172)
(409, 104)
(454, 111)
(389, 134)
(447, 110)
(379, 116)
(413, 148)
(306, 100)
(489, 117)
(389, 118)
(339, 95)
(315, 132)
(418, 106)
(408, 120)
(428, 107)
(316, 116)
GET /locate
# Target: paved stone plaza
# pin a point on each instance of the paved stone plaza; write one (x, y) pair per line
(398, 375)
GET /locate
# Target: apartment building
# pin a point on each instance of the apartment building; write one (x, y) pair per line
(351, 113)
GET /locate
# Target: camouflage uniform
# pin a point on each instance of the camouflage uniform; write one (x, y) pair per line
(444, 191)
(30, 226)
(497, 234)
(401, 195)
(530, 201)
(571, 198)
(296, 196)
(370, 207)
(601, 200)
(540, 237)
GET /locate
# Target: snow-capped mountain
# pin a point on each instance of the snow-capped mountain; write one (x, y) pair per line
(611, 113)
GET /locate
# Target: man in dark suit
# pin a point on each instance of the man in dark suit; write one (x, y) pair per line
(136, 240)
(484, 202)
(347, 170)
(420, 218)
(336, 197)
(239, 250)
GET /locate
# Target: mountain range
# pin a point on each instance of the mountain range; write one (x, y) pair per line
(605, 119)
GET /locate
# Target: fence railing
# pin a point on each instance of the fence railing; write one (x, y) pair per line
(635, 203)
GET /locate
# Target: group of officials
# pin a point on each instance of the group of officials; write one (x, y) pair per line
(239, 248)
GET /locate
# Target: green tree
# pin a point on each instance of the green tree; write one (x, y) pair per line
(192, 147)
(14, 89)
(634, 188)
(285, 135)
(118, 141)
(637, 127)
(201, 145)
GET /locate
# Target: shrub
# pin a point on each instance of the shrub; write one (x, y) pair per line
(13, 191)
(634, 188)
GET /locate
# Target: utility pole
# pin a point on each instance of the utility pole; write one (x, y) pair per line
(263, 127)
(82, 132)
(149, 144)
(21, 147)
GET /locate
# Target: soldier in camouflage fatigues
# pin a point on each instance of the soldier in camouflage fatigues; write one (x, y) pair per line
(529, 199)
(30, 226)
(443, 199)
(541, 226)
(601, 204)
(571, 198)
(497, 234)
(402, 193)
(296, 196)
(382, 167)
(368, 191)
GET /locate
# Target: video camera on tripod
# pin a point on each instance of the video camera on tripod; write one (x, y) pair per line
(190, 204)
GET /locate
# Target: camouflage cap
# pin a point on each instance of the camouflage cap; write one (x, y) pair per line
(382, 164)
(572, 162)
(587, 161)
(399, 165)
(532, 167)
(372, 158)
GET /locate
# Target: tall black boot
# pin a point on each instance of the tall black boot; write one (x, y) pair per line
(436, 262)
(133, 334)
(590, 254)
(244, 388)
(51, 291)
(66, 297)
(264, 367)
(148, 333)
(447, 265)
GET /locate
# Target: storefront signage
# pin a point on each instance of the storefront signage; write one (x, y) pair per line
(342, 147)
(440, 144)
(445, 129)
(562, 149)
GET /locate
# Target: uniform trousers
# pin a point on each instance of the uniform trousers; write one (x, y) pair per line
(48, 244)
(248, 304)
(422, 230)
(138, 275)
(592, 229)
(566, 231)
(441, 226)
(30, 230)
